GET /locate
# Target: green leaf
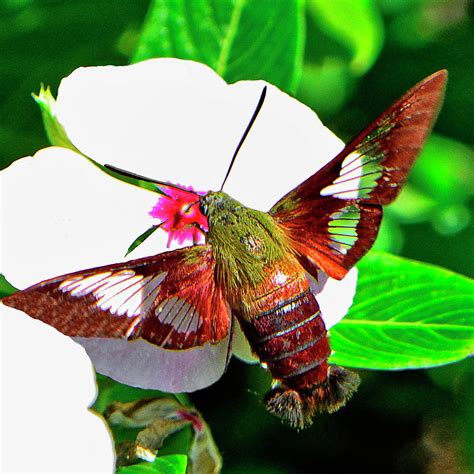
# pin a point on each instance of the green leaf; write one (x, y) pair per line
(6, 288)
(125, 177)
(412, 206)
(390, 238)
(173, 464)
(356, 25)
(141, 238)
(113, 391)
(405, 315)
(347, 38)
(239, 39)
(439, 189)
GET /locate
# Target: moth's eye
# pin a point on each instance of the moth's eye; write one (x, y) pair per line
(203, 205)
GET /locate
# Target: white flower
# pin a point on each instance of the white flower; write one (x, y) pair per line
(175, 121)
(47, 384)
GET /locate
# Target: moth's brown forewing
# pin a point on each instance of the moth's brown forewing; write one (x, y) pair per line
(170, 300)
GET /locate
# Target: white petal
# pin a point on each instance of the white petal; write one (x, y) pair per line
(336, 297)
(143, 365)
(47, 384)
(287, 144)
(161, 118)
(241, 347)
(62, 214)
(178, 121)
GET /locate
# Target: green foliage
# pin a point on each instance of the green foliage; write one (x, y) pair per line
(42, 42)
(141, 238)
(222, 35)
(337, 20)
(112, 391)
(347, 39)
(6, 288)
(444, 170)
(173, 464)
(405, 315)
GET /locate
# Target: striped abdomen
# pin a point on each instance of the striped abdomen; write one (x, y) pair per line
(290, 338)
(283, 324)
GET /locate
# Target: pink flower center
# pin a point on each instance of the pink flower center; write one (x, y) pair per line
(180, 215)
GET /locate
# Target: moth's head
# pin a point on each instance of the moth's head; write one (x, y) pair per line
(217, 203)
(214, 200)
(186, 215)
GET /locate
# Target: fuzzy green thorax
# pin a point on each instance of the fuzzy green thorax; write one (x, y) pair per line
(244, 241)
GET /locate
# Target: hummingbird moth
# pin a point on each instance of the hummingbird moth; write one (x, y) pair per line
(254, 268)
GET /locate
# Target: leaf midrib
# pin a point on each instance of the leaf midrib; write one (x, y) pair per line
(401, 324)
(228, 40)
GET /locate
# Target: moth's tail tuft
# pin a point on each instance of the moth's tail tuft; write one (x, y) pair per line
(298, 407)
(339, 387)
(289, 405)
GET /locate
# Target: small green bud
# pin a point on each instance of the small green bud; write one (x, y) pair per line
(57, 136)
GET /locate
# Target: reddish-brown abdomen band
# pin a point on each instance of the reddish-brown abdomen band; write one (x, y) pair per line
(291, 340)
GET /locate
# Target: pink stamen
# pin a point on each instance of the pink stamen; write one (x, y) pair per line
(181, 216)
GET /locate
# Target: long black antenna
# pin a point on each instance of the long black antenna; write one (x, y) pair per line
(247, 130)
(129, 174)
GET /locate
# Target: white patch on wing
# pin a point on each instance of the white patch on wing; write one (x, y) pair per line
(358, 176)
(194, 321)
(132, 327)
(178, 313)
(117, 295)
(77, 286)
(123, 293)
(342, 228)
(346, 185)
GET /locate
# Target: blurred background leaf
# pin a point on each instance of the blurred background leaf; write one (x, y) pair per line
(344, 40)
(337, 19)
(222, 35)
(112, 391)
